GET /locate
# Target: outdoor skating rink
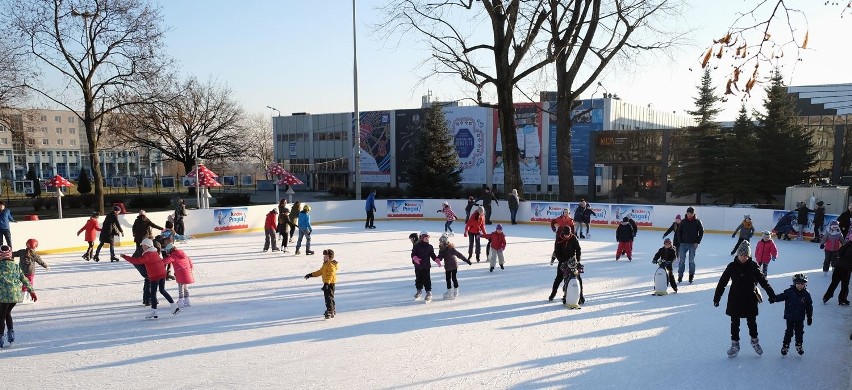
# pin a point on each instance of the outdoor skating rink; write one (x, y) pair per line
(255, 322)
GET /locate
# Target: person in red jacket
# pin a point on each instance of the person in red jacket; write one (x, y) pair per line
(183, 270)
(156, 271)
(91, 227)
(475, 227)
(269, 228)
(497, 241)
(765, 251)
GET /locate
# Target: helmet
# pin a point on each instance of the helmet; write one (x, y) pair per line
(800, 278)
(444, 239)
(446, 203)
(306, 208)
(32, 243)
(565, 211)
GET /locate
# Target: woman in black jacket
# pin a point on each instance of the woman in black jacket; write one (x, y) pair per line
(566, 250)
(110, 228)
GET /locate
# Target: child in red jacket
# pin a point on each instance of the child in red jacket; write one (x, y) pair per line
(498, 243)
(765, 251)
(91, 227)
(156, 271)
(475, 227)
(183, 270)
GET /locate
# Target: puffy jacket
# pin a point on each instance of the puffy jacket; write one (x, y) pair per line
(271, 221)
(448, 255)
(746, 230)
(28, 260)
(567, 247)
(5, 218)
(844, 258)
(328, 271)
(426, 252)
(797, 304)
(370, 204)
(11, 281)
(514, 202)
(557, 223)
(802, 215)
(183, 266)
(476, 224)
(498, 240)
(90, 228)
(154, 266)
(305, 222)
(832, 242)
(674, 229)
(667, 255)
(742, 302)
(624, 232)
(691, 231)
(765, 251)
(110, 227)
(142, 228)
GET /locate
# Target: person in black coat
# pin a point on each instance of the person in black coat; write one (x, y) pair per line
(743, 274)
(840, 275)
(844, 220)
(486, 198)
(674, 229)
(666, 256)
(802, 219)
(110, 228)
(819, 221)
(566, 249)
(142, 229)
(421, 256)
(689, 236)
(471, 202)
(798, 306)
(624, 234)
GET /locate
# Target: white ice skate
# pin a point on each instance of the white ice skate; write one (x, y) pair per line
(448, 295)
(455, 292)
(734, 350)
(152, 315)
(428, 296)
(417, 295)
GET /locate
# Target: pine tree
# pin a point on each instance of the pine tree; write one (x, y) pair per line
(698, 157)
(433, 169)
(84, 185)
(785, 146)
(738, 178)
(31, 175)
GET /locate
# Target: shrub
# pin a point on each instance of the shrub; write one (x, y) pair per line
(150, 202)
(87, 200)
(38, 203)
(71, 201)
(226, 200)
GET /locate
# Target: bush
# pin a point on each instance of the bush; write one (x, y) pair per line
(227, 200)
(38, 203)
(71, 201)
(87, 200)
(150, 202)
(48, 203)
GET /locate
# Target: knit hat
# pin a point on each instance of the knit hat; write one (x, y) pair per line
(147, 242)
(744, 249)
(820, 203)
(141, 213)
(566, 230)
(677, 217)
(767, 234)
(499, 226)
(5, 252)
(667, 241)
(690, 209)
(625, 219)
(800, 278)
(424, 233)
(116, 208)
(747, 217)
(274, 211)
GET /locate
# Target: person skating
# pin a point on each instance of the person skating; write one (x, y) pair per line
(283, 227)
(674, 228)
(819, 221)
(486, 198)
(90, 228)
(448, 254)
(798, 306)
(566, 249)
(421, 256)
(305, 230)
(156, 271)
(802, 219)
(840, 276)
(744, 275)
(471, 203)
(294, 219)
(844, 219)
(691, 232)
(270, 224)
(29, 258)
(831, 243)
(497, 241)
(556, 225)
(183, 270)
(583, 218)
(624, 236)
(785, 226)
(110, 228)
(5, 229)
(764, 252)
(142, 229)
(450, 215)
(370, 208)
(12, 282)
(746, 231)
(667, 255)
(514, 205)
(473, 228)
(328, 271)
(179, 215)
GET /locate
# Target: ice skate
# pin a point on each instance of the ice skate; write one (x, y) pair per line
(180, 302)
(96, 258)
(327, 315)
(152, 315)
(2, 342)
(799, 349)
(452, 234)
(755, 343)
(501, 266)
(417, 295)
(491, 270)
(285, 251)
(10, 337)
(455, 292)
(186, 302)
(174, 308)
(784, 349)
(448, 294)
(734, 350)
(309, 252)
(298, 253)
(428, 296)
(86, 256)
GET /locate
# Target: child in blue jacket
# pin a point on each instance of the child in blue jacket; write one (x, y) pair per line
(798, 306)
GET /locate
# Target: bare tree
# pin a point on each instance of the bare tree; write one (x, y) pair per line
(104, 50)
(499, 62)
(190, 120)
(12, 72)
(259, 148)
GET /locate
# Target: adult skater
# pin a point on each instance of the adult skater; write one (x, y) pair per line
(370, 208)
(691, 232)
(110, 228)
(11, 281)
(566, 249)
(486, 198)
(840, 276)
(474, 227)
(514, 205)
(5, 230)
(142, 229)
(180, 213)
(844, 220)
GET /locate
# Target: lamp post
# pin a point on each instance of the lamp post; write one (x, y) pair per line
(606, 92)
(274, 109)
(197, 189)
(356, 152)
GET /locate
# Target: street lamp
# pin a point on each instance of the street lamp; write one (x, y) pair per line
(606, 92)
(274, 109)
(356, 151)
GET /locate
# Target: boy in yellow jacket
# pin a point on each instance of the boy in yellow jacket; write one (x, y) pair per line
(328, 271)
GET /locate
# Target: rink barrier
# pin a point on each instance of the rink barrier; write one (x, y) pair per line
(58, 235)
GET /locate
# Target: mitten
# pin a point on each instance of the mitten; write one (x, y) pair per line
(438, 261)
(810, 321)
(716, 303)
(771, 298)
(307, 276)
(732, 235)
(415, 259)
(773, 259)
(654, 261)
(35, 298)
(821, 246)
(465, 233)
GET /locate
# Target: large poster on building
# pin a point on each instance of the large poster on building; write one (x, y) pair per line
(528, 132)
(588, 117)
(467, 126)
(407, 124)
(375, 147)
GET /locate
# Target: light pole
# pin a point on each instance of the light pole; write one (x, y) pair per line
(357, 120)
(274, 109)
(197, 187)
(606, 92)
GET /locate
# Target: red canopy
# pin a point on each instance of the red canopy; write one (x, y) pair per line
(289, 179)
(208, 181)
(202, 170)
(275, 170)
(59, 181)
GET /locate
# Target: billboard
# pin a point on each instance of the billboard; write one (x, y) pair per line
(231, 219)
(643, 215)
(528, 132)
(407, 124)
(588, 117)
(375, 146)
(405, 208)
(467, 127)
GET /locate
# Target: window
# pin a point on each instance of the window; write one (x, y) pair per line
(31, 142)
(4, 141)
(44, 130)
(59, 142)
(70, 119)
(58, 130)
(57, 118)
(2, 128)
(30, 129)
(45, 141)
(44, 118)
(73, 142)
(72, 131)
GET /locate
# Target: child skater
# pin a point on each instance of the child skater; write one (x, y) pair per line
(283, 224)
(90, 228)
(421, 255)
(831, 242)
(29, 258)
(474, 227)
(10, 293)
(746, 230)
(497, 242)
(183, 270)
(328, 271)
(156, 271)
(798, 305)
(448, 254)
(624, 234)
(667, 255)
(451, 216)
(765, 252)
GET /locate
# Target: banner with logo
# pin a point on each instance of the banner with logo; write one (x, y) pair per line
(545, 211)
(231, 219)
(405, 208)
(790, 221)
(375, 146)
(467, 127)
(601, 213)
(643, 215)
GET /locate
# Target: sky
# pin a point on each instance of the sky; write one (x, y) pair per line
(296, 55)
(255, 320)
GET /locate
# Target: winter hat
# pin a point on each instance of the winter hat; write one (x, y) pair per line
(748, 217)
(767, 234)
(95, 214)
(677, 217)
(690, 209)
(820, 203)
(306, 208)
(423, 233)
(566, 230)
(625, 219)
(744, 249)
(499, 226)
(481, 209)
(274, 211)
(147, 242)
(800, 278)
(5, 252)
(141, 213)
(412, 237)
(116, 208)
(444, 239)
(667, 241)
(446, 203)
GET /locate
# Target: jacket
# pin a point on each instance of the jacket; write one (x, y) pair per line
(426, 252)
(624, 232)
(475, 224)
(674, 229)
(283, 220)
(765, 251)
(691, 231)
(797, 304)
(182, 264)
(90, 228)
(487, 197)
(819, 217)
(844, 258)
(514, 202)
(498, 240)
(742, 302)
(271, 222)
(667, 255)
(5, 218)
(470, 204)
(305, 222)
(557, 223)
(844, 219)
(448, 212)
(567, 247)
(11, 281)
(370, 204)
(110, 227)
(448, 254)
(328, 271)
(832, 242)
(142, 228)
(802, 215)
(583, 214)
(154, 266)
(180, 212)
(28, 261)
(746, 230)
(294, 213)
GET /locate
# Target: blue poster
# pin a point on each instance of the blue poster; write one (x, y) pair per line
(588, 117)
(405, 208)
(231, 219)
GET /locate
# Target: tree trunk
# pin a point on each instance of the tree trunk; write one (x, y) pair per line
(508, 136)
(564, 104)
(94, 158)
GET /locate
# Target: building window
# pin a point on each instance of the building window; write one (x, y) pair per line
(44, 129)
(59, 142)
(4, 141)
(58, 130)
(30, 129)
(45, 141)
(44, 118)
(31, 142)
(57, 118)
(73, 142)
(70, 119)
(2, 128)
(72, 131)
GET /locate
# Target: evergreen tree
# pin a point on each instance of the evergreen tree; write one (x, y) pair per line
(738, 177)
(433, 169)
(31, 175)
(784, 146)
(698, 157)
(84, 184)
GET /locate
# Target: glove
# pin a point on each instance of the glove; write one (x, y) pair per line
(716, 303)
(468, 262)
(771, 299)
(810, 320)
(732, 235)
(821, 246)
(35, 298)
(773, 259)
(125, 257)
(307, 276)
(654, 261)
(415, 259)
(465, 233)
(438, 261)
(552, 259)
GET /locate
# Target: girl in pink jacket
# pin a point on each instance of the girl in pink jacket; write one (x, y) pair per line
(765, 252)
(451, 216)
(183, 271)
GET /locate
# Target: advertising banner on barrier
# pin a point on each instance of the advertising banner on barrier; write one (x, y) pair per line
(600, 216)
(545, 211)
(785, 222)
(643, 215)
(231, 219)
(405, 208)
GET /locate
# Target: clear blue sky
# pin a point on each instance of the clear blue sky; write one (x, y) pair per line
(297, 55)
